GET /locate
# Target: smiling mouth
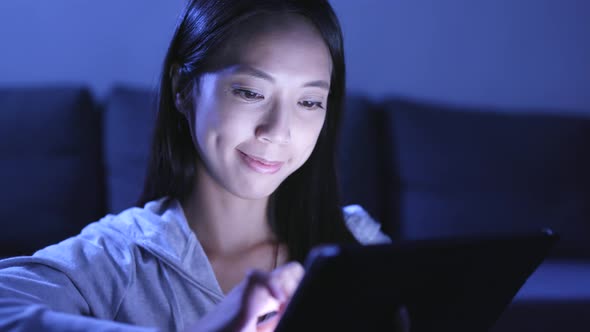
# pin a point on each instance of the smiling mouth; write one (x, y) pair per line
(260, 165)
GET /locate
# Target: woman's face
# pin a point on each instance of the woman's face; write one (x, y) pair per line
(258, 114)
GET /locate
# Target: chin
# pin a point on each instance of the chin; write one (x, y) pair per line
(254, 190)
(253, 194)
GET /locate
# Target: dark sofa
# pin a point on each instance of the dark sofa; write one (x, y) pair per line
(423, 170)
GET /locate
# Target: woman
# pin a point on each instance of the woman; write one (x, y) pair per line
(240, 182)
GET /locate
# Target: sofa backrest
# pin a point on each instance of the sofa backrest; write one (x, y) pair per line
(459, 171)
(129, 119)
(51, 172)
(422, 170)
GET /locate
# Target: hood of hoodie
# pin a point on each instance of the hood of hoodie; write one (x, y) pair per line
(161, 228)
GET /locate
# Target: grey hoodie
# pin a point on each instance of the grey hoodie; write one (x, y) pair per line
(140, 270)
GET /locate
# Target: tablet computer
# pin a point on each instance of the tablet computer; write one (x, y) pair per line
(449, 284)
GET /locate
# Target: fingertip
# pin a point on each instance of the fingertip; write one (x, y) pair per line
(296, 269)
(294, 266)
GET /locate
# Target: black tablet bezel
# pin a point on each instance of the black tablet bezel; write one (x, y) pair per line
(458, 284)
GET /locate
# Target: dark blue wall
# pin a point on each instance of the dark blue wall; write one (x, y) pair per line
(501, 52)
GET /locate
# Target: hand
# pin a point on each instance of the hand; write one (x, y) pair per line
(258, 294)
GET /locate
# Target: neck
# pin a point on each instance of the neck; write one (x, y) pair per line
(224, 222)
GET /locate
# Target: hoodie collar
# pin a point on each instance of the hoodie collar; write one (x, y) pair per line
(161, 228)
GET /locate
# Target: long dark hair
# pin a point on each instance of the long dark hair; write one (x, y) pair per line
(305, 210)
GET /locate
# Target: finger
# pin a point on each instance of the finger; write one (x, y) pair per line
(269, 292)
(287, 277)
(258, 299)
(294, 269)
(259, 293)
(276, 288)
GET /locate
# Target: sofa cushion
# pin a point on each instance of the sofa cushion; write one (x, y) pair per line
(51, 166)
(129, 118)
(466, 171)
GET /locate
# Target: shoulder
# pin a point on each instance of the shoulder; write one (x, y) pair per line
(159, 227)
(114, 241)
(364, 228)
(80, 267)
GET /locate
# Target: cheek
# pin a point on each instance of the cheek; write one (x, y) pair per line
(220, 125)
(310, 131)
(206, 123)
(316, 126)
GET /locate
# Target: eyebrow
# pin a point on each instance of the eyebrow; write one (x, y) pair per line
(251, 71)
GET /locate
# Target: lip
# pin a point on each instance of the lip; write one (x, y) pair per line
(260, 165)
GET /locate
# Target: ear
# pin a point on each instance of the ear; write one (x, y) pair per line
(179, 97)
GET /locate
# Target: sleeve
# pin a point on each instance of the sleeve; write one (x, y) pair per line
(72, 286)
(364, 228)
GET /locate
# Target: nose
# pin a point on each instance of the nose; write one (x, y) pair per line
(275, 126)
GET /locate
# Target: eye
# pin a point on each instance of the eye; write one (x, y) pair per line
(247, 94)
(311, 105)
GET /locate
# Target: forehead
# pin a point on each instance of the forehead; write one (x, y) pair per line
(286, 43)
